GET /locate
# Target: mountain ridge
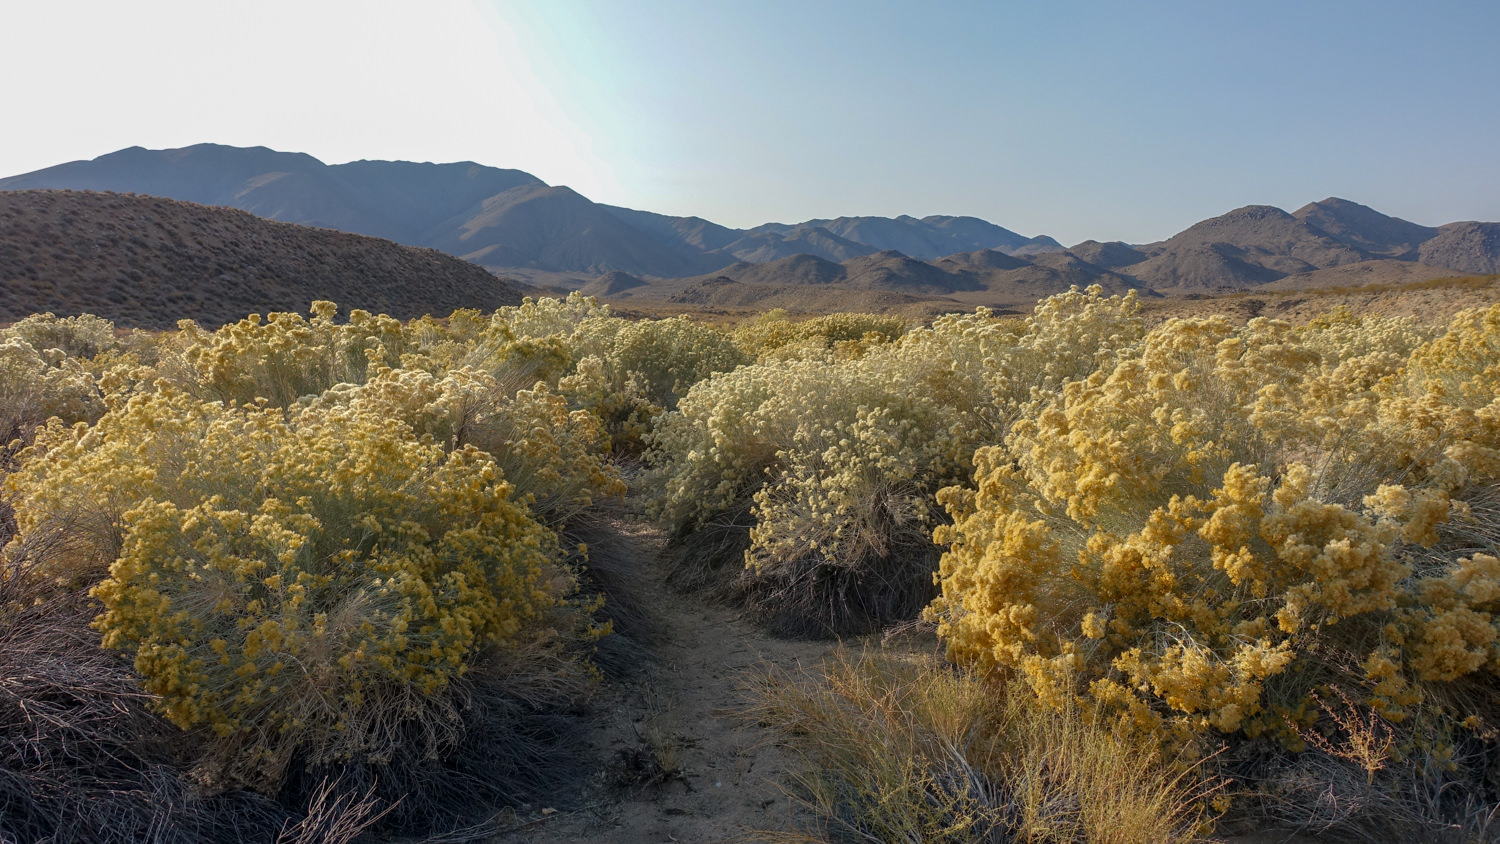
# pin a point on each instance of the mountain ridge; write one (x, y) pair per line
(465, 209)
(509, 221)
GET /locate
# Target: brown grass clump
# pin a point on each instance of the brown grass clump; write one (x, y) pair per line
(907, 750)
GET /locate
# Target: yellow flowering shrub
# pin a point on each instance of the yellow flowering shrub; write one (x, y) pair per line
(1201, 532)
(290, 579)
(626, 372)
(640, 370)
(83, 336)
(285, 356)
(580, 320)
(773, 336)
(836, 459)
(552, 456)
(38, 385)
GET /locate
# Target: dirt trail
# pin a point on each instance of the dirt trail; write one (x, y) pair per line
(721, 778)
(680, 711)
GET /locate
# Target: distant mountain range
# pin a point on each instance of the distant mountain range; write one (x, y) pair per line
(498, 218)
(513, 223)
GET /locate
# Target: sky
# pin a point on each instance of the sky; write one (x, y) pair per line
(1103, 120)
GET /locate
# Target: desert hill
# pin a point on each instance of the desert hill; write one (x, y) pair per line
(1252, 245)
(1470, 247)
(147, 262)
(1365, 228)
(887, 279)
(1107, 255)
(611, 283)
(924, 239)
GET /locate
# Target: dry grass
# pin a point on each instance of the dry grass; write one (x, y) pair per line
(910, 751)
(82, 756)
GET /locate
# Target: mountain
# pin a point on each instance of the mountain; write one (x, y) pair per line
(1109, 255)
(498, 218)
(767, 243)
(398, 200)
(558, 229)
(512, 222)
(1365, 228)
(147, 262)
(924, 239)
(891, 270)
(1252, 245)
(1470, 247)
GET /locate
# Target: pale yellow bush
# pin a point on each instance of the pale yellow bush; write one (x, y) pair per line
(1202, 532)
(290, 579)
(773, 336)
(38, 385)
(642, 370)
(552, 456)
(837, 459)
(83, 337)
(284, 357)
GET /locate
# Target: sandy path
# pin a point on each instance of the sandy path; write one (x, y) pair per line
(683, 709)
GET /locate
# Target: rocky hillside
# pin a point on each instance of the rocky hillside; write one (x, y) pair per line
(147, 262)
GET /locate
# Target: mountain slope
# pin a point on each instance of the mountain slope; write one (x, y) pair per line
(399, 200)
(1252, 245)
(511, 220)
(557, 229)
(1470, 247)
(1365, 228)
(148, 262)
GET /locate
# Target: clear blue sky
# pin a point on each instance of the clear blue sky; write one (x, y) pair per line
(1102, 120)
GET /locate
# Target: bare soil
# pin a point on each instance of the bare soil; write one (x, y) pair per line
(675, 758)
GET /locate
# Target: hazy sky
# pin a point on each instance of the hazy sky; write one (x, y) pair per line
(1102, 120)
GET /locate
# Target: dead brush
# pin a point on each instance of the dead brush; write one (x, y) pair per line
(1362, 778)
(1367, 739)
(82, 756)
(334, 817)
(507, 732)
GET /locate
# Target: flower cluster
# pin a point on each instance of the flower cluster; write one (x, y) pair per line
(773, 336)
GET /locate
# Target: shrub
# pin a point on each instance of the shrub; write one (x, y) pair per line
(85, 758)
(36, 386)
(642, 370)
(1227, 519)
(83, 337)
(834, 462)
(773, 336)
(284, 357)
(551, 456)
(298, 582)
